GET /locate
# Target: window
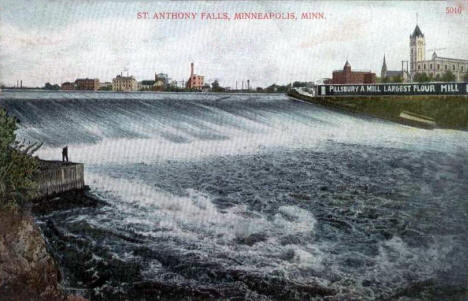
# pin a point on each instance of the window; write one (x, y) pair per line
(419, 67)
(424, 66)
(453, 67)
(446, 67)
(462, 68)
(430, 66)
(438, 66)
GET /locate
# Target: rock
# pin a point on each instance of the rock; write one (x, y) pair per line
(76, 298)
(27, 271)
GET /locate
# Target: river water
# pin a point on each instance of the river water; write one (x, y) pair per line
(251, 197)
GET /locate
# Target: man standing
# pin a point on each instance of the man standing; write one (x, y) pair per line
(65, 154)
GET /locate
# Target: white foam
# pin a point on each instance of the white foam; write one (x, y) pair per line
(195, 218)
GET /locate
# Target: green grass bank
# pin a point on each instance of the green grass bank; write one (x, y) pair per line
(448, 111)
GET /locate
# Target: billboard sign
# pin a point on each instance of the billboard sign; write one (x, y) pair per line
(394, 89)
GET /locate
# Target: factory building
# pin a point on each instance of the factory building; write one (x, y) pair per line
(195, 81)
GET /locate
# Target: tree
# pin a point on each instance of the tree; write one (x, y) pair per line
(48, 86)
(421, 77)
(448, 76)
(272, 88)
(17, 165)
(297, 84)
(215, 87)
(278, 88)
(397, 79)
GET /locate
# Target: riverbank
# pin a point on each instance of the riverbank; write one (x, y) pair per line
(448, 112)
(28, 269)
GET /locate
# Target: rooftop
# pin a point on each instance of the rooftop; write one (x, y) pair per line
(417, 32)
(447, 58)
(85, 79)
(355, 71)
(125, 77)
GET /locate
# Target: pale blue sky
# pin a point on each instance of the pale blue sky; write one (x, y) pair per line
(55, 41)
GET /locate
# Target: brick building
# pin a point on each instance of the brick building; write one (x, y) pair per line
(195, 81)
(346, 76)
(87, 84)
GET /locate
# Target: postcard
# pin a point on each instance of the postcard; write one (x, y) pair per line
(233, 150)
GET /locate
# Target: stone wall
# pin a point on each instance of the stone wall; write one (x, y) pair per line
(57, 177)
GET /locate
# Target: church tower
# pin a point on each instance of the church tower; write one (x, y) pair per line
(417, 48)
(383, 72)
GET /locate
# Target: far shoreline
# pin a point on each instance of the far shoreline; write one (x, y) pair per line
(447, 111)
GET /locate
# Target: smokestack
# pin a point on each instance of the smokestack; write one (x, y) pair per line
(191, 70)
(21, 84)
(248, 84)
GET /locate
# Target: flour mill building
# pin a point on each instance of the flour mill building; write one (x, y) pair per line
(346, 76)
(436, 66)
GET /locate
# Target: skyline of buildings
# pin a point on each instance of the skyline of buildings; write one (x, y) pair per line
(120, 82)
(90, 44)
(434, 68)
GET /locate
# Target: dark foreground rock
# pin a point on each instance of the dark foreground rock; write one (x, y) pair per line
(64, 201)
(27, 270)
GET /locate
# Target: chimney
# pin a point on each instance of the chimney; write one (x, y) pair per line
(191, 70)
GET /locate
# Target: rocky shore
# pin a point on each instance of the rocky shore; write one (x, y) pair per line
(27, 269)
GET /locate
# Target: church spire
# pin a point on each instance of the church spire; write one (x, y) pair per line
(383, 72)
(417, 32)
